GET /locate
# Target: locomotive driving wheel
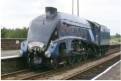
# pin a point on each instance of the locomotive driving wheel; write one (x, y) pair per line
(79, 58)
(98, 53)
(71, 59)
(85, 53)
(79, 55)
(85, 56)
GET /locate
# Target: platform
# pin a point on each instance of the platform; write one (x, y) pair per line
(11, 61)
(112, 73)
(5, 53)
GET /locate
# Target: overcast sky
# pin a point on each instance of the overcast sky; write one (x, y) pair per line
(19, 13)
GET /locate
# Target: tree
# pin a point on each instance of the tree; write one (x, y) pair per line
(3, 32)
(14, 33)
(117, 35)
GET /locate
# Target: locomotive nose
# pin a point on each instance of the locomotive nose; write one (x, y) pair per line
(36, 46)
(35, 55)
(35, 49)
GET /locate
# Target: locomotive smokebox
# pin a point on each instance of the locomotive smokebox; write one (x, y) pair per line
(50, 12)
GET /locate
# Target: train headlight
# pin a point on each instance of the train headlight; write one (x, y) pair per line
(30, 46)
(47, 54)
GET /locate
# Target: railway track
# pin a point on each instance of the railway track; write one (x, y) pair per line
(61, 73)
(23, 74)
(90, 73)
(13, 74)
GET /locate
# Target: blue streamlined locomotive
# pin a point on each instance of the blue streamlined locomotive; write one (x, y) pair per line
(57, 38)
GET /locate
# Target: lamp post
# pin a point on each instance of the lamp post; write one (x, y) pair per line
(72, 7)
(77, 7)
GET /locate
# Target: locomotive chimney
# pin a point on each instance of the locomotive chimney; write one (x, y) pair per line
(50, 12)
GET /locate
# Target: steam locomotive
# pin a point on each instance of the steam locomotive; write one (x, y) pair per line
(57, 38)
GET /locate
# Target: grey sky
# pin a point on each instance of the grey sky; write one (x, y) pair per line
(19, 13)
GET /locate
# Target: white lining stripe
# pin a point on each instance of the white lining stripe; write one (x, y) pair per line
(105, 71)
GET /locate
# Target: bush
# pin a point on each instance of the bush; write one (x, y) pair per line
(14, 33)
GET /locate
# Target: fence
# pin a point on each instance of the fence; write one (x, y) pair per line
(11, 43)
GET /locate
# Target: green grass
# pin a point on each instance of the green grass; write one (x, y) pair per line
(115, 40)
